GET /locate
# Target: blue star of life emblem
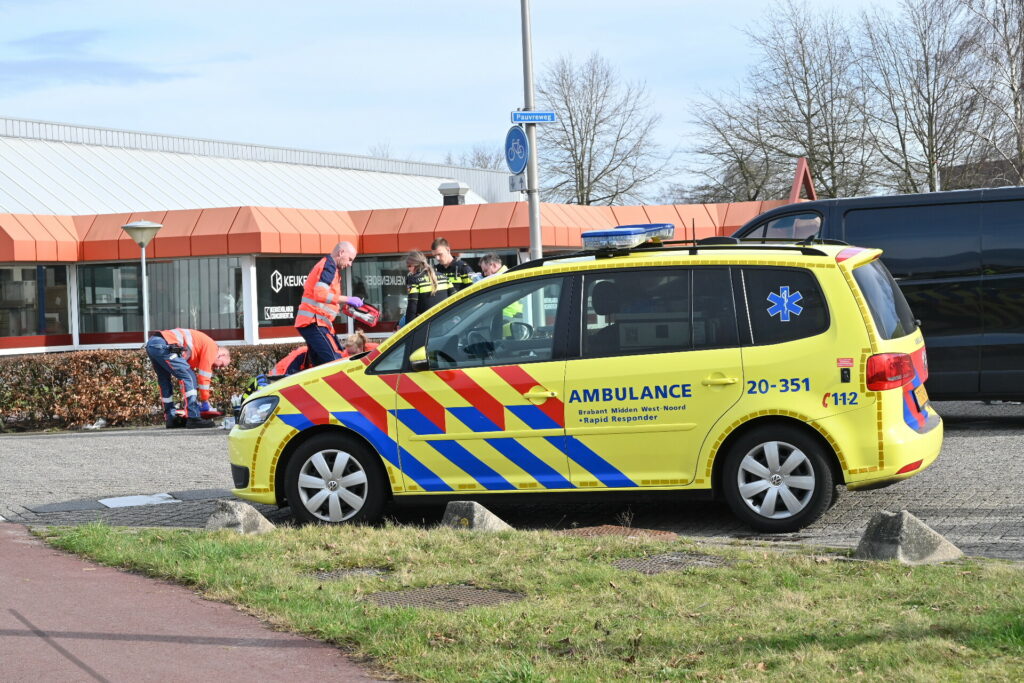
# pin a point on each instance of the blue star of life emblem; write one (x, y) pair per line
(785, 303)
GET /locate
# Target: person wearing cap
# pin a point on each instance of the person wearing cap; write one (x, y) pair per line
(190, 356)
(321, 301)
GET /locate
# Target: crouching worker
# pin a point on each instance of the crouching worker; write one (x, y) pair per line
(190, 356)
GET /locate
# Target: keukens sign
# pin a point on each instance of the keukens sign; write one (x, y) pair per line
(279, 281)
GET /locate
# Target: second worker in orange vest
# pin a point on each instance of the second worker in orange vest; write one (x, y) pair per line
(190, 356)
(321, 301)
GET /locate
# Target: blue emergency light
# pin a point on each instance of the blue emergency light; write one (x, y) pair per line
(628, 236)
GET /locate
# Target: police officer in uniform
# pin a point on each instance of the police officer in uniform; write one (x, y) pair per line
(455, 270)
(423, 286)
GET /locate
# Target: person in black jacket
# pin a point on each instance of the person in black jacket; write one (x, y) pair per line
(423, 286)
(455, 270)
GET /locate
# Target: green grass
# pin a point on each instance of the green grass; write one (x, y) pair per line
(768, 616)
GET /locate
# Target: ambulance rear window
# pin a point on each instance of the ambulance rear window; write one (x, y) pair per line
(889, 308)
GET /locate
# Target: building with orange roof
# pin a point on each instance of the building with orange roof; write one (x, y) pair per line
(242, 225)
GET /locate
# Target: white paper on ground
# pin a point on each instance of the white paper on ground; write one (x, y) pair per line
(131, 501)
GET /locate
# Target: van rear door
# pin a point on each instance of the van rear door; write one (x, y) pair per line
(1002, 358)
(934, 253)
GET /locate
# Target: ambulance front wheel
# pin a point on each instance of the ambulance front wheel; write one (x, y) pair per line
(334, 479)
(777, 479)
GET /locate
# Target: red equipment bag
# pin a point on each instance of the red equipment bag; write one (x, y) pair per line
(366, 314)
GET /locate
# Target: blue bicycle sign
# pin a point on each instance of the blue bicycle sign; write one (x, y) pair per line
(517, 149)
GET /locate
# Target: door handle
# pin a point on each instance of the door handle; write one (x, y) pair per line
(714, 381)
(540, 394)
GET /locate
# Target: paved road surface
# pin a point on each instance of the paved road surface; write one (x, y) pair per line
(972, 494)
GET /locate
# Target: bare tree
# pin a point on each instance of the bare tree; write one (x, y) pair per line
(381, 150)
(735, 164)
(1001, 87)
(805, 98)
(810, 99)
(920, 107)
(602, 150)
(481, 156)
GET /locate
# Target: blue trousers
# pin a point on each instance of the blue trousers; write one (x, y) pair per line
(170, 365)
(323, 348)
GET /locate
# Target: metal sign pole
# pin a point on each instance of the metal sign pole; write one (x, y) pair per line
(532, 184)
(145, 299)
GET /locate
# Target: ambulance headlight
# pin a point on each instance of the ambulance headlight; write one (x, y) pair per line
(256, 412)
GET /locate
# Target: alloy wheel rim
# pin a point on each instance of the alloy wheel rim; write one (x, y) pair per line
(776, 480)
(332, 485)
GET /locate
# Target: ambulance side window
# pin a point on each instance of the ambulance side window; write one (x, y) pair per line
(784, 304)
(657, 310)
(503, 325)
(392, 361)
(632, 312)
(714, 310)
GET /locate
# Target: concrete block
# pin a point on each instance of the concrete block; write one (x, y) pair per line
(237, 516)
(903, 537)
(464, 514)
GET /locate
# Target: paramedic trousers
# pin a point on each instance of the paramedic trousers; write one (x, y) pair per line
(321, 345)
(171, 365)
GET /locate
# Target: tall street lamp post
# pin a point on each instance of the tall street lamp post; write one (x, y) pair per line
(141, 233)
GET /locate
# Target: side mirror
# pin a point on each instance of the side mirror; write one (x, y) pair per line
(418, 359)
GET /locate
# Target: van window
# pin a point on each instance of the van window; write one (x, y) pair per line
(889, 308)
(784, 304)
(793, 227)
(502, 325)
(934, 240)
(1003, 237)
(714, 312)
(633, 312)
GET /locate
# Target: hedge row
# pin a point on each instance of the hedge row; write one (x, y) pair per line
(78, 388)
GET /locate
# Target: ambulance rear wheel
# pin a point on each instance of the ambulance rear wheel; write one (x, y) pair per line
(334, 479)
(777, 479)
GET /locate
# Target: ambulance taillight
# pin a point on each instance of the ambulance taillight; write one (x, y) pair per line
(889, 371)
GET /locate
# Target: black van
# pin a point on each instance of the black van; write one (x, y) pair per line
(959, 259)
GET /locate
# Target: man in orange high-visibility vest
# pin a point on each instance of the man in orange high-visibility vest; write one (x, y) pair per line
(321, 300)
(191, 356)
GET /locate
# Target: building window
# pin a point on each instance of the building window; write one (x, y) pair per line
(108, 298)
(200, 293)
(380, 281)
(33, 300)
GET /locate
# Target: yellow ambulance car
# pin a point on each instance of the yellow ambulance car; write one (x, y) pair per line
(766, 374)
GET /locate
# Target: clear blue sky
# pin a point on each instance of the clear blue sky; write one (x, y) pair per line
(345, 75)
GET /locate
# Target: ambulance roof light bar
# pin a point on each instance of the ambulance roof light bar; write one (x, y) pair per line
(627, 236)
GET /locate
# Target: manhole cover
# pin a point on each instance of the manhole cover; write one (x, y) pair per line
(670, 562)
(448, 598)
(336, 574)
(611, 530)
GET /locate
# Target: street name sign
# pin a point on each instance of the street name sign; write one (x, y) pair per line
(534, 117)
